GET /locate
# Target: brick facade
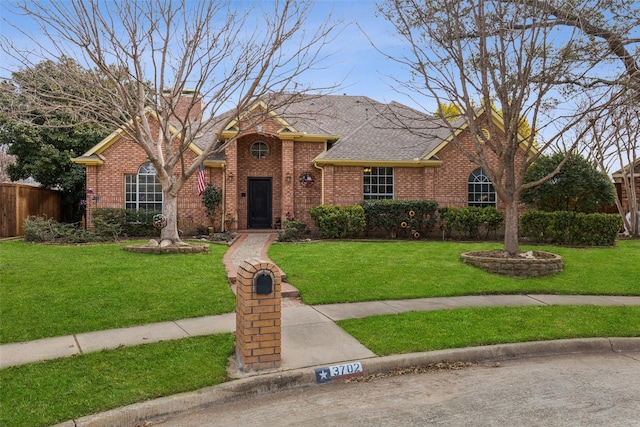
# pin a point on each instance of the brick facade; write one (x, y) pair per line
(106, 184)
(285, 163)
(289, 158)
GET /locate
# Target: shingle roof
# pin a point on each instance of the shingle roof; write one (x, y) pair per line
(626, 168)
(366, 130)
(393, 132)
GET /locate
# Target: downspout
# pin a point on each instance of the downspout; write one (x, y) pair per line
(224, 199)
(315, 165)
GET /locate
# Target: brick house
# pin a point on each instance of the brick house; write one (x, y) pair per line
(621, 189)
(277, 164)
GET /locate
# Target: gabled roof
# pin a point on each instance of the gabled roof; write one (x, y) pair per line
(94, 156)
(365, 131)
(617, 175)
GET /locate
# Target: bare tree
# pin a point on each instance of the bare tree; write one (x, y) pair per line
(614, 143)
(147, 53)
(6, 159)
(528, 59)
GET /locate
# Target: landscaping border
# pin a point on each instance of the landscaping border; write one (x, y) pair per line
(546, 265)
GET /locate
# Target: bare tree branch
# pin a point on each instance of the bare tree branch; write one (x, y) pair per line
(522, 58)
(147, 53)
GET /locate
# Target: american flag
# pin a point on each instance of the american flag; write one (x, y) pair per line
(201, 184)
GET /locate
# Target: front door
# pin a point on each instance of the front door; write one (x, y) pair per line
(259, 203)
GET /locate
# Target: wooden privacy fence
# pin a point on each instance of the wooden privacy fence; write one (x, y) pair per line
(18, 201)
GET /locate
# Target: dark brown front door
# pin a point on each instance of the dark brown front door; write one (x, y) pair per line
(259, 203)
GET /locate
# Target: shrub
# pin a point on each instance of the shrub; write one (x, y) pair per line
(570, 228)
(578, 187)
(211, 199)
(113, 222)
(394, 216)
(337, 222)
(292, 230)
(108, 222)
(39, 229)
(471, 222)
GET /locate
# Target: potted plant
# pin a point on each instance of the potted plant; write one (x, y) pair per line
(211, 198)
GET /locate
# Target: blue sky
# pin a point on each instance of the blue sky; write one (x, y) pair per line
(353, 62)
(364, 69)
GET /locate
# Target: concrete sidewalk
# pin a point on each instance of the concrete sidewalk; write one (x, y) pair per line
(310, 336)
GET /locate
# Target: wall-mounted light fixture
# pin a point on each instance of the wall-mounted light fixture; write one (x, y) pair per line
(230, 176)
(288, 179)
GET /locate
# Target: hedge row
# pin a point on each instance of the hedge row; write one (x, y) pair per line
(124, 222)
(414, 216)
(570, 228)
(109, 224)
(418, 217)
(471, 222)
(338, 222)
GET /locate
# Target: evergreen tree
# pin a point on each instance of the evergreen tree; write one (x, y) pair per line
(578, 187)
(45, 140)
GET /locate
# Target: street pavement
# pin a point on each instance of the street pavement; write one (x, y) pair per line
(564, 390)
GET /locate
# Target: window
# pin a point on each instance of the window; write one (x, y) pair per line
(481, 191)
(259, 150)
(143, 191)
(378, 183)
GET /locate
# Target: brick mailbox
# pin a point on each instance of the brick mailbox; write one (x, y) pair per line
(258, 315)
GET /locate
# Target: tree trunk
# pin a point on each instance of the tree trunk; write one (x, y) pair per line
(170, 210)
(511, 226)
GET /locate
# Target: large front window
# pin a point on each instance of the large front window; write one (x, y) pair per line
(378, 183)
(143, 191)
(481, 191)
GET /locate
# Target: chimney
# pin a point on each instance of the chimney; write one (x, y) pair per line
(189, 102)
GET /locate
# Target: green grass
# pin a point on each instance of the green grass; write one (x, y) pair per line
(53, 290)
(334, 272)
(52, 392)
(48, 290)
(436, 330)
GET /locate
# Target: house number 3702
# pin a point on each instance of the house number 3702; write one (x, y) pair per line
(346, 369)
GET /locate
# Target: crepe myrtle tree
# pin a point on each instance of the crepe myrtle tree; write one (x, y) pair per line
(530, 59)
(613, 142)
(228, 53)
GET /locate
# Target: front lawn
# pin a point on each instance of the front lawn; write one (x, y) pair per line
(47, 393)
(53, 290)
(436, 330)
(333, 272)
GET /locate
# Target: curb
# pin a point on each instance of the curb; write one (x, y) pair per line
(164, 407)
